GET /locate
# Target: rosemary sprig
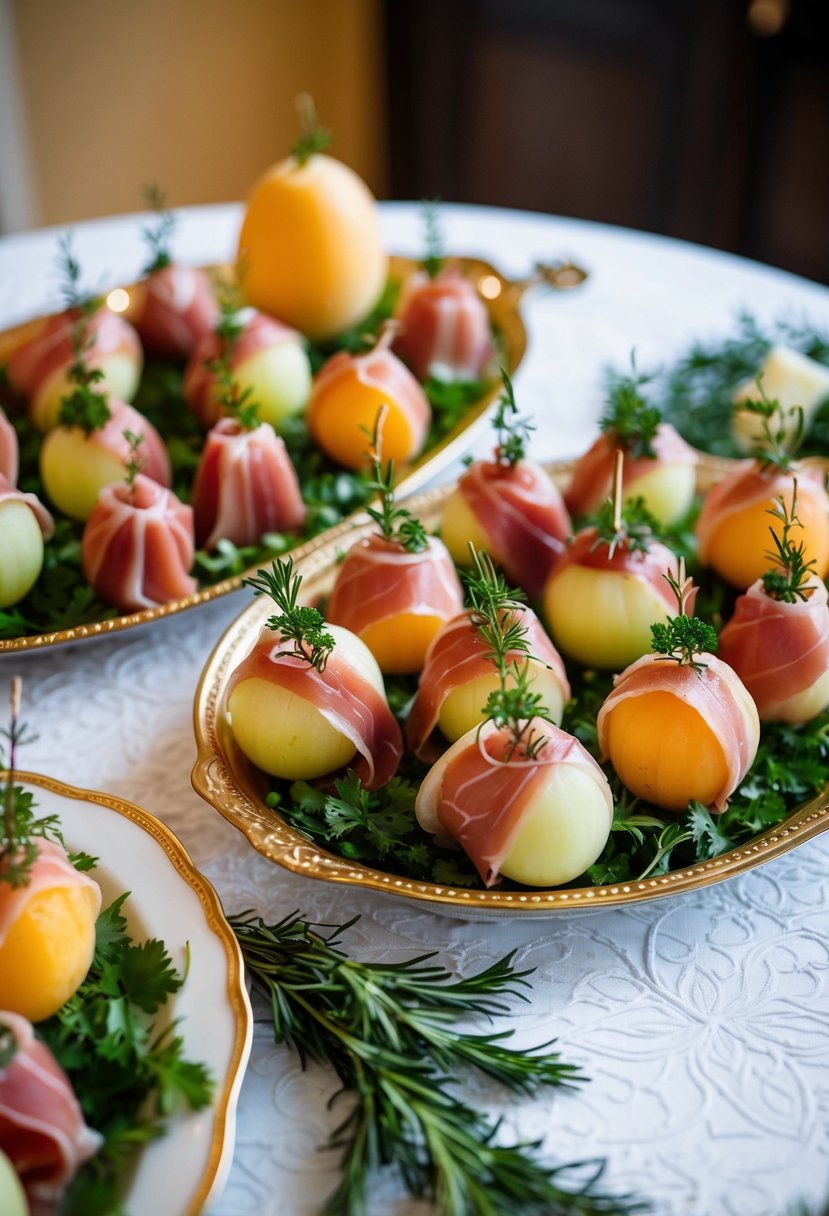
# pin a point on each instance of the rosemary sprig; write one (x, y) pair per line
(684, 637)
(389, 1031)
(313, 138)
(496, 614)
(19, 828)
(787, 582)
(300, 624)
(513, 433)
(237, 402)
(84, 406)
(433, 237)
(396, 524)
(628, 421)
(776, 445)
(158, 233)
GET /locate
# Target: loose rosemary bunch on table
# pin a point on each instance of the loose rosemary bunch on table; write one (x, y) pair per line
(389, 1031)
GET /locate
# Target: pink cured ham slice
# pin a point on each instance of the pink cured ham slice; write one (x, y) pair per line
(152, 454)
(715, 692)
(457, 656)
(778, 650)
(444, 328)
(199, 388)
(42, 1128)
(245, 486)
(747, 485)
(379, 580)
(650, 566)
(138, 546)
(480, 800)
(9, 450)
(343, 695)
(381, 370)
(8, 493)
(592, 479)
(51, 350)
(522, 515)
(177, 309)
(52, 868)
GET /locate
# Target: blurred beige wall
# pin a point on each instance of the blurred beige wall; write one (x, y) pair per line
(196, 95)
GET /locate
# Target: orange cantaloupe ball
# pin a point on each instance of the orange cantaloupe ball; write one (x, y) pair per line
(341, 415)
(664, 751)
(310, 248)
(739, 547)
(48, 950)
(399, 644)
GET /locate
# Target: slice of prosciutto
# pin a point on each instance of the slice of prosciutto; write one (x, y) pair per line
(175, 308)
(781, 652)
(38, 369)
(200, 387)
(522, 515)
(379, 581)
(457, 656)
(152, 452)
(42, 1127)
(8, 493)
(9, 450)
(717, 694)
(478, 798)
(646, 565)
(245, 486)
(342, 692)
(444, 328)
(138, 546)
(592, 479)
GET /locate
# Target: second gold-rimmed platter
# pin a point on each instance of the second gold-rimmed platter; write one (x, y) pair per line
(502, 298)
(185, 1170)
(227, 780)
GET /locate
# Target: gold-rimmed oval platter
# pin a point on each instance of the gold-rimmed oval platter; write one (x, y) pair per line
(233, 786)
(502, 298)
(185, 1170)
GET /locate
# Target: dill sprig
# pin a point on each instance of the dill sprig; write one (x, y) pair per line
(513, 433)
(157, 234)
(396, 524)
(684, 637)
(84, 406)
(628, 420)
(313, 138)
(433, 237)
(776, 445)
(300, 624)
(629, 524)
(497, 615)
(788, 581)
(389, 1030)
(19, 828)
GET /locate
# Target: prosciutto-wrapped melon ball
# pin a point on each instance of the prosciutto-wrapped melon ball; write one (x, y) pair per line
(679, 724)
(24, 525)
(309, 698)
(539, 819)
(266, 360)
(76, 462)
(658, 465)
(173, 308)
(310, 248)
(777, 639)
(347, 394)
(444, 329)
(41, 369)
(43, 1135)
(47, 934)
(508, 507)
(796, 384)
(459, 675)
(733, 525)
(609, 588)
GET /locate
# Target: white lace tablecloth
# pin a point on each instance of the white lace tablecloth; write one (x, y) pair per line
(702, 1021)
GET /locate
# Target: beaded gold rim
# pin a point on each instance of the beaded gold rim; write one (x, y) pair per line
(231, 784)
(227, 1096)
(502, 298)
